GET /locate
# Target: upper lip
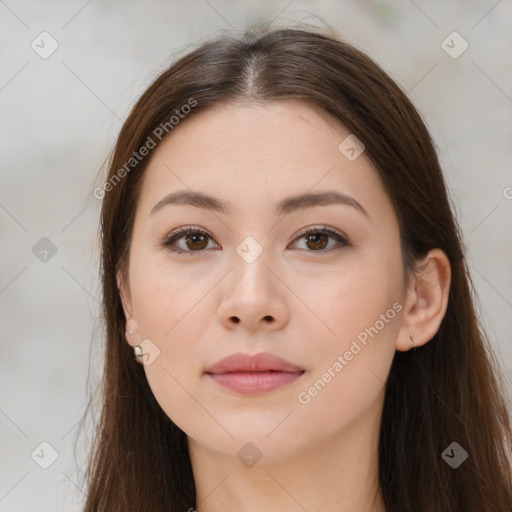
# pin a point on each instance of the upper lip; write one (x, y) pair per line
(261, 362)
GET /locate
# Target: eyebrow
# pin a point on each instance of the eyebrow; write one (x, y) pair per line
(284, 207)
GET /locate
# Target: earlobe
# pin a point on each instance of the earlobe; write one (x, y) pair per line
(426, 303)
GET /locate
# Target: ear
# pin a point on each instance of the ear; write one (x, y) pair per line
(124, 292)
(426, 301)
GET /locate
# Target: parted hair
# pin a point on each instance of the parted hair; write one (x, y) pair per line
(450, 389)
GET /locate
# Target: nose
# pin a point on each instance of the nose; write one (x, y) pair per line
(254, 297)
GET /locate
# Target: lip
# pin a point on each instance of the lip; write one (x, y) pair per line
(253, 374)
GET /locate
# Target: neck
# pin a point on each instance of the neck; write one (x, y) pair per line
(337, 474)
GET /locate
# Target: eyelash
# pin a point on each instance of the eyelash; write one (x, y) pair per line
(191, 230)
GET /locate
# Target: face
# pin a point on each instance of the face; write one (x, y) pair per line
(248, 279)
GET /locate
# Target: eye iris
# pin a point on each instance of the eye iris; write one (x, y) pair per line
(193, 238)
(317, 240)
(318, 244)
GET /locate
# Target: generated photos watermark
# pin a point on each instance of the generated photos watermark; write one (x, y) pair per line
(305, 397)
(156, 136)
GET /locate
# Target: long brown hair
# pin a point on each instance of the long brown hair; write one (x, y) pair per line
(449, 390)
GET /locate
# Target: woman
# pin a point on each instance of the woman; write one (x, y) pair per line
(289, 314)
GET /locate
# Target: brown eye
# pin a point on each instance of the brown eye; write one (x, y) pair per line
(317, 241)
(196, 241)
(187, 239)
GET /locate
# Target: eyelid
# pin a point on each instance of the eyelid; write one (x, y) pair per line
(319, 228)
(342, 240)
(179, 233)
(192, 229)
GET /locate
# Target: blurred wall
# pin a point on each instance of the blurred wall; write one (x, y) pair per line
(70, 72)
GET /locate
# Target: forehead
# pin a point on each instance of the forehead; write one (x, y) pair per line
(252, 153)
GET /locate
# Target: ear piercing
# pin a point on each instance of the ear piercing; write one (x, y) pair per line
(137, 351)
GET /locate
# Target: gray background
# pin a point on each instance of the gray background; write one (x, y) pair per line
(60, 116)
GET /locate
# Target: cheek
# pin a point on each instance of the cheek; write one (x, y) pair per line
(163, 294)
(360, 313)
(350, 370)
(169, 310)
(347, 302)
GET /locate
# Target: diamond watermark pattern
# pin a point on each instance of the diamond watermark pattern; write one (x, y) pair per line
(44, 250)
(351, 147)
(454, 455)
(454, 45)
(150, 352)
(44, 45)
(249, 454)
(249, 249)
(44, 455)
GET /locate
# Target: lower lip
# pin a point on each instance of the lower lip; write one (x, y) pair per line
(251, 383)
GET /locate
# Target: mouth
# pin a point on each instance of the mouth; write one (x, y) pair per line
(252, 383)
(254, 374)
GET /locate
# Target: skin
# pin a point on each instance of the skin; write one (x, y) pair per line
(316, 456)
